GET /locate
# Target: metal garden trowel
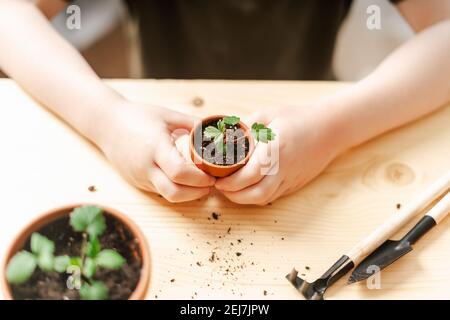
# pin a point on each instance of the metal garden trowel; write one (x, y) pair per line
(390, 251)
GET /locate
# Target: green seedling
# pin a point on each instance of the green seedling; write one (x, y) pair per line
(259, 131)
(262, 133)
(88, 220)
(218, 134)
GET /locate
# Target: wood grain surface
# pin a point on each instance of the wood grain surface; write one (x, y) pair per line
(44, 164)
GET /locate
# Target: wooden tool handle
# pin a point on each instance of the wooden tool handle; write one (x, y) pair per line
(398, 220)
(441, 209)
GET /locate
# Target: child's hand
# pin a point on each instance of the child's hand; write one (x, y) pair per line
(137, 140)
(306, 144)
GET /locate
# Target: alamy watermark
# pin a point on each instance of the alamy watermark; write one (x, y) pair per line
(374, 281)
(373, 21)
(73, 21)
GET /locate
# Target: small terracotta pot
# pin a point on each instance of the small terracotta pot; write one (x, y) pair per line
(139, 292)
(214, 169)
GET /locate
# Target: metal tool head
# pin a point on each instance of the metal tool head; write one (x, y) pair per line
(382, 257)
(311, 291)
(315, 290)
(391, 251)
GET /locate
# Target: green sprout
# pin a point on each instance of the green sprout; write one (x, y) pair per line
(218, 134)
(88, 220)
(260, 132)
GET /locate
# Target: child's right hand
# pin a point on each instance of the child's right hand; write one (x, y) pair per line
(137, 140)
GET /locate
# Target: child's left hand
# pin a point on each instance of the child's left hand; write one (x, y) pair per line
(306, 140)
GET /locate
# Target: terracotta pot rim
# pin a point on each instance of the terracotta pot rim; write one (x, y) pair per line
(48, 216)
(237, 164)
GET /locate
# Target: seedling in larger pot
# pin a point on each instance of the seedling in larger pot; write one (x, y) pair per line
(90, 222)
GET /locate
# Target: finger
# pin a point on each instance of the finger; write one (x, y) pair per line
(145, 185)
(262, 116)
(177, 168)
(245, 177)
(281, 192)
(141, 182)
(176, 120)
(287, 189)
(259, 194)
(253, 172)
(182, 144)
(298, 186)
(174, 192)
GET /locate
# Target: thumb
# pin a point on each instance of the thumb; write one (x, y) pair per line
(178, 120)
(263, 116)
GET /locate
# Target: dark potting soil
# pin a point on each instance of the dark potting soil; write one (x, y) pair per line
(53, 286)
(235, 152)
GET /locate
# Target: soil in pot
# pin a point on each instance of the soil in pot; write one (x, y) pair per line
(52, 285)
(233, 153)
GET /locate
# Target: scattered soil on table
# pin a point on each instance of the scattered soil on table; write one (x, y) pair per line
(52, 285)
(226, 258)
(399, 206)
(213, 257)
(235, 152)
(92, 188)
(215, 215)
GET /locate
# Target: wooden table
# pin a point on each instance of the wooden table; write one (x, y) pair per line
(45, 164)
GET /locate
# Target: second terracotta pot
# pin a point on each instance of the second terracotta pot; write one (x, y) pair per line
(139, 292)
(214, 169)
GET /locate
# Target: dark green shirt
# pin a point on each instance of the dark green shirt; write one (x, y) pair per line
(238, 39)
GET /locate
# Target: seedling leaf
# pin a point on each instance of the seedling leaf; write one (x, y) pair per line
(93, 247)
(46, 261)
(95, 291)
(256, 126)
(81, 218)
(97, 226)
(231, 120)
(262, 133)
(89, 267)
(219, 144)
(212, 132)
(110, 259)
(75, 261)
(221, 125)
(21, 267)
(61, 263)
(41, 244)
